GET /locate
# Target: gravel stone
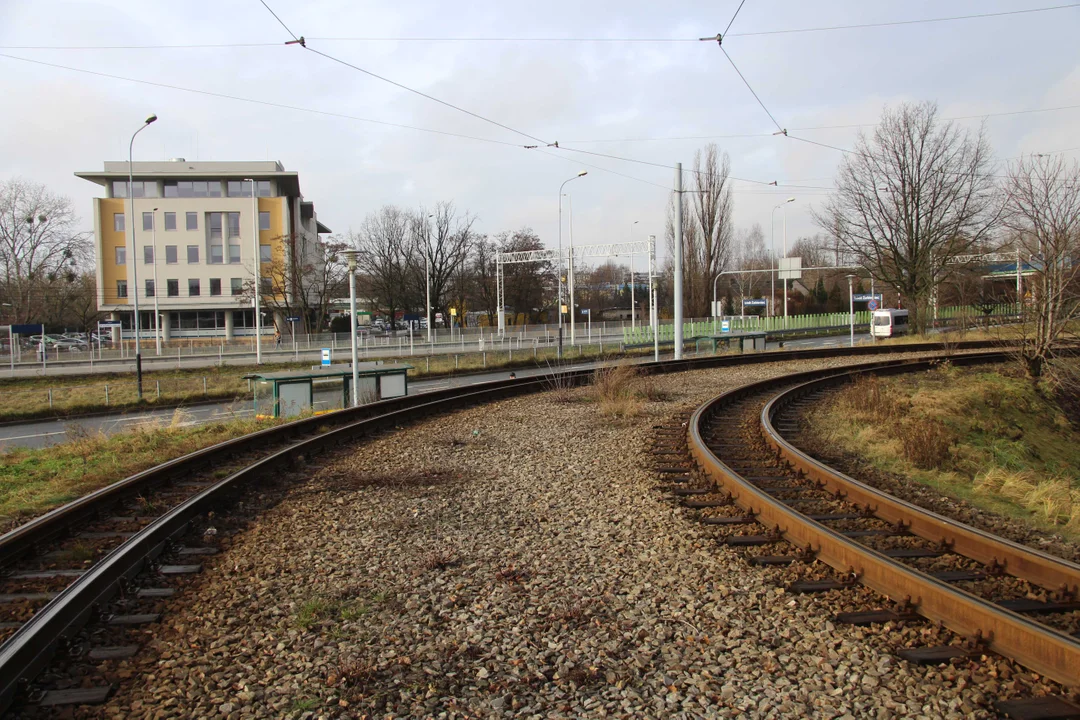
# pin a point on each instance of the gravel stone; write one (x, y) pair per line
(517, 560)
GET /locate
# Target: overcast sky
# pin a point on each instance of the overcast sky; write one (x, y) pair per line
(588, 95)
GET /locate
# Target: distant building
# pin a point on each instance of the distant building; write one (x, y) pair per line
(195, 225)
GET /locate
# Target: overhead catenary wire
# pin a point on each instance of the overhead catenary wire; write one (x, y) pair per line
(299, 40)
(265, 103)
(513, 39)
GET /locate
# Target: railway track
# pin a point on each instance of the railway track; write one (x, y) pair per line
(112, 556)
(733, 462)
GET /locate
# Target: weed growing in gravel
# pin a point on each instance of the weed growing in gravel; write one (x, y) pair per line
(311, 611)
(618, 391)
(559, 385)
(441, 559)
(304, 705)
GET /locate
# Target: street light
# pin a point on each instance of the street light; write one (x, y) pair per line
(772, 248)
(134, 257)
(351, 256)
(583, 173)
(851, 309)
(258, 259)
(633, 306)
(427, 258)
(157, 290)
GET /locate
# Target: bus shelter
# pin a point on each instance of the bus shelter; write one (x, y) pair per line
(740, 341)
(288, 394)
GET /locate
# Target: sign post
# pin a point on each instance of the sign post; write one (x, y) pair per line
(725, 326)
(326, 357)
(292, 328)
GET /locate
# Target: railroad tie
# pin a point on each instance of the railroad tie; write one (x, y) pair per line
(76, 696)
(1050, 707)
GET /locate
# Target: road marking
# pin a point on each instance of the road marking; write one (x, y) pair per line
(25, 437)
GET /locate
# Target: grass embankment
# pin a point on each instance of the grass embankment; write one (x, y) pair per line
(71, 395)
(991, 438)
(35, 481)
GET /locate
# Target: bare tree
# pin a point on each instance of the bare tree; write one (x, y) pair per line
(38, 245)
(527, 287)
(384, 242)
(1042, 207)
(708, 227)
(752, 255)
(449, 238)
(911, 198)
(303, 277)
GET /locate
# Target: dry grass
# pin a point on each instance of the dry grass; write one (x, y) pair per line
(1054, 499)
(33, 481)
(927, 442)
(618, 391)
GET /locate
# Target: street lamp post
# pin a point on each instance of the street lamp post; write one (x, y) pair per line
(772, 248)
(633, 305)
(583, 173)
(789, 200)
(258, 259)
(851, 309)
(351, 255)
(427, 257)
(134, 257)
(157, 290)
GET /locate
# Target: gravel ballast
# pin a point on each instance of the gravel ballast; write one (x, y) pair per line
(516, 560)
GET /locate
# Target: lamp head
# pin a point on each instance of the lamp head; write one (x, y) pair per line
(583, 173)
(790, 200)
(151, 119)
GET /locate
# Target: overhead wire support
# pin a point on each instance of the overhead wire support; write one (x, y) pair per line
(299, 40)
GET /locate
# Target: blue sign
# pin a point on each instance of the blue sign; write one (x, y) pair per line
(584, 311)
(866, 297)
(326, 356)
(31, 329)
(755, 302)
(292, 319)
(872, 305)
(725, 326)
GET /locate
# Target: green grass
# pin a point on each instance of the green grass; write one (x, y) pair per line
(28, 398)
(1009, 448)
(33, 481)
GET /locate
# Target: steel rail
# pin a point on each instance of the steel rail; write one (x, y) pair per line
(28, 650)
(1030, 643)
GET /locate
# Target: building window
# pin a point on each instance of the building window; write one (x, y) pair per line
(140, 188)
(242, 188)
(192, 188)
(264, 253)
(148, 254)
(193, 254)
(121, 255)
(118, 222)
(234, 224)
(266, 285)
(148, 221)
(193, 287)
(264, 220)
(234, 253)
(216, 256)
(172, 288)
(121, 288)
(215, 226)
(170, 221)
(192, 221)
(237, 286)
(170, 254)
(198, 319)
(215, 286)
(149, 288)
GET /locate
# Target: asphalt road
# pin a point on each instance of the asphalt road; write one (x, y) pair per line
(44, 433)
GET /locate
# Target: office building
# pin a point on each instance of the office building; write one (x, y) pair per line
(195, 244)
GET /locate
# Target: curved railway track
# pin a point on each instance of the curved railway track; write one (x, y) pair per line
(134, 530)
(767, 493)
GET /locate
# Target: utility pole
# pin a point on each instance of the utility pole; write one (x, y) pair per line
(678, 285)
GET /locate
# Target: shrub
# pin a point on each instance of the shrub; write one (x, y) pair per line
(617, 390)
(927, 443)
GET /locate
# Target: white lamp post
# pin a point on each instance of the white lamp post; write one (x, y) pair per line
(784, 204)
(427, 258)
(258, 259)
(157, 289)
(851, 309)
(134, 258)
(772, 247)
(351, 255)
(583, 173)
(633, 306)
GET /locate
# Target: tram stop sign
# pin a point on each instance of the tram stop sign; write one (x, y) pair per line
(871, 305)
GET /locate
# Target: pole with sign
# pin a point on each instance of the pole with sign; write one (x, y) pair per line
(292, 328)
